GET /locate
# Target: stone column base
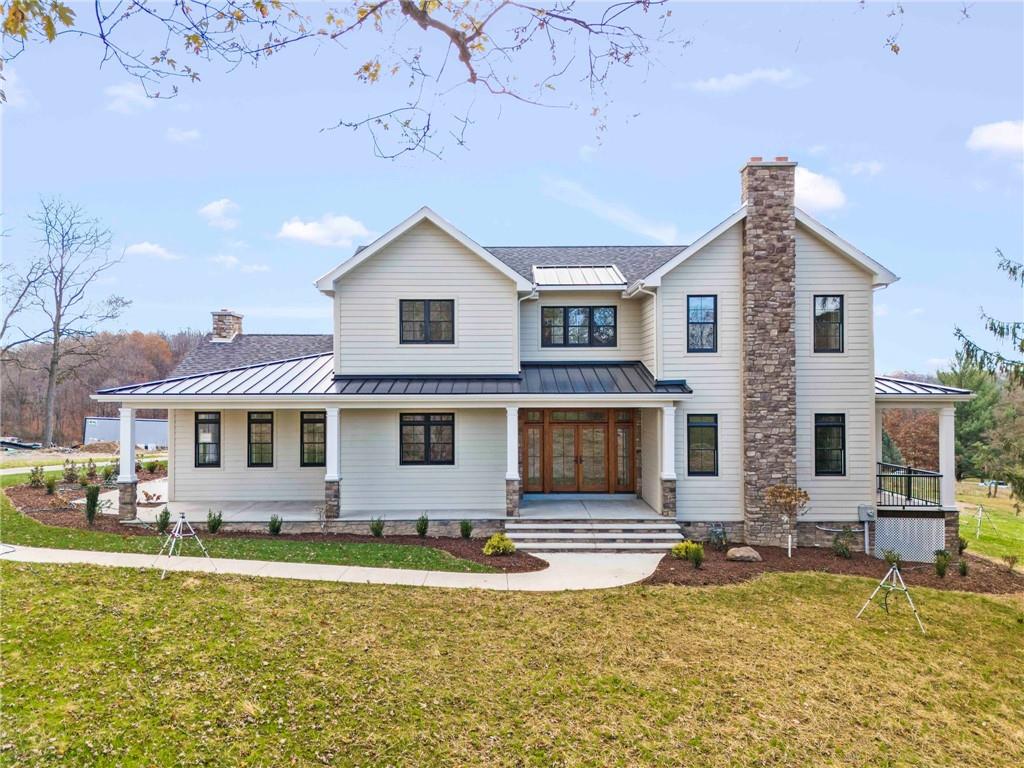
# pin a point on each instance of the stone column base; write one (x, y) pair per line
(952, 530)
(332, 499)
(668, 498)
(127, 500)
(512, 498)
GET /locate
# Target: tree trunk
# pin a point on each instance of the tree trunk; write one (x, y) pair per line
(50, 406)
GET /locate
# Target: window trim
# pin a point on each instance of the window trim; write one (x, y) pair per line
(565, 308)
(315, 417)
(714, 324)
(220, 439)
(248, 439)
(842, 323)
(426, 321)
(427, 462)
(689, 444)
(841, 449)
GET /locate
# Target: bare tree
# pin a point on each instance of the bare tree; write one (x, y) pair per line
(76, 253)
(16, 288)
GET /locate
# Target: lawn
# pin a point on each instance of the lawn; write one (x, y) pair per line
(107, 667)
(16, 528)
(1003, 535)
(51, 459)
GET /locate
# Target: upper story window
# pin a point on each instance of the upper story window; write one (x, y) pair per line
(208, 439)
(427, 321)
(578, 327)
(830, 444)
(313, 439)
(828, 323)
(701, 323)
(701, 444)
(427, 438)
(261, 438)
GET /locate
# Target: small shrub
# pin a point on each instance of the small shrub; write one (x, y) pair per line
(377, 527)
(70, 471)
(422, 522)
(90, 469)
(942, 558)
(274, 526)
(152, 466)
(138, 465)
(83, 480)
(37, 477)
(499, 544)
(108, 472)
(51, 485)
(214, 520)
(717, 537)
(465, 529)
(892, 558)
(841, 543)
(961, 545)
(962, 566)
(163, 520)
(1011, 561)
(689, 550)
(92, 502)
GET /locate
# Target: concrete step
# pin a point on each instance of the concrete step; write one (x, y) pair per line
(582, 546)
(592, 536)
(589, 526)
(590, 521)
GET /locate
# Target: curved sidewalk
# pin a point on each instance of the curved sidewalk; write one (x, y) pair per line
(566, 571)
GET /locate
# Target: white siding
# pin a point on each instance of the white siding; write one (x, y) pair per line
(835, 383)
(628, 345)
(714, 377)
(425, 263)
(650, 457)
(233, 480)
(372, 480)
(649, 333)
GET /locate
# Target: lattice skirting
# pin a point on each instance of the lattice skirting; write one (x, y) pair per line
(915, 538)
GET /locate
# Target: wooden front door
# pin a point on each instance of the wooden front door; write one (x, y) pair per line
(577, 451)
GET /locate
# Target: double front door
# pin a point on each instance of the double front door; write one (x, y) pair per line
(578, 451)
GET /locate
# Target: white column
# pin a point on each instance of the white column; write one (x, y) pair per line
(333, 448)
(511, 442)
(126, 471)
(947, 456)
(668, 442)
(878, 434)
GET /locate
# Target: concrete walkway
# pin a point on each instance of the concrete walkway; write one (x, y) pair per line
(566, 571)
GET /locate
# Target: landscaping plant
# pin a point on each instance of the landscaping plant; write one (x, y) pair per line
(942, 558)
(499, 544)
(689, 550)
(108, 472)
(274, 525)
(36, 477)
(1011, 561)
(421, 525)
(163, 520)
(961, 566)
(788, 501)
(841, 543)
(892, 557)
(214, 520)
(152, 466)
(961, 545)
(377, 527)
(717, 537)
(90, 469)
(92, 502)
(465, 529)
(83, 480)
(70, 471)
(51, 485)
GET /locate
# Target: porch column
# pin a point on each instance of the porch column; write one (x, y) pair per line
(127, 480)
(512, 485)
(332, 459)
(947, 456)
(668, 460)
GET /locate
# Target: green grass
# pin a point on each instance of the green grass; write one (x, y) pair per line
(1002, 534)
(51, 460)
(106, 667)
(16, 528)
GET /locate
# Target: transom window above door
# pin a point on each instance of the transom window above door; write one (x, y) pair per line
(427, 321)
(578, 326)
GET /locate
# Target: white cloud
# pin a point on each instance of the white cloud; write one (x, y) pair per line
(226, 260)
(881, 310)
(180, 136)
(219, 213)
(255, 268)
(328, 230)
(587, 152)
(127, 98)
(816, 192)
(578, 196)
(147, 249)
(865, 168)
(737, 81)
(1003, 138)
(230, 261)
(15, 92)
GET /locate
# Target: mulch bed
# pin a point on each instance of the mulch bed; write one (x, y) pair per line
(983, 576)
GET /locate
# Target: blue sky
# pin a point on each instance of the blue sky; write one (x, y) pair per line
(232, 195)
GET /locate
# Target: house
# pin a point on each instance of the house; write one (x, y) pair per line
(515, 384)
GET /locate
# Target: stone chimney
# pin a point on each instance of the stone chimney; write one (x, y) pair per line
(769, 343)
(226, 325)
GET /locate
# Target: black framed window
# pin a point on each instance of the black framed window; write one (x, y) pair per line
(427, 438)
(830, 444)
(313, 439)
(578, 326)
(701, 323)
(828, 323)
(701, 444)
(207, 439)
(427, 321)
(261, 438)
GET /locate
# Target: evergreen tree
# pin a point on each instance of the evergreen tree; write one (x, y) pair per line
(975, 417)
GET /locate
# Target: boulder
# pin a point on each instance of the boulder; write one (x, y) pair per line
(743, 555)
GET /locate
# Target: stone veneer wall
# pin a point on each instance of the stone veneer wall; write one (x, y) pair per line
(512, 496)
(127, 500)
(769, 343)
(332, 498)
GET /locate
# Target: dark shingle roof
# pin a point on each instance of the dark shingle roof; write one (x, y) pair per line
(634, 261)
(251, 348)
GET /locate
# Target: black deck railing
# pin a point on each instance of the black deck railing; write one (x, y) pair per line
(900, 486)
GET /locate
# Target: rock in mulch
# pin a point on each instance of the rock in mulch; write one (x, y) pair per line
(743, 555)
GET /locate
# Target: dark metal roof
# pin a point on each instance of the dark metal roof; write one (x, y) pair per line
(251, 348)
(314, 375)
(886, 386)
(634, 261)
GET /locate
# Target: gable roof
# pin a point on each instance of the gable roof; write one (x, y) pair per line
(326, 283)
(250, 348)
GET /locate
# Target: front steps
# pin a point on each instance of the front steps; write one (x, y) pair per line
(596, 535)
